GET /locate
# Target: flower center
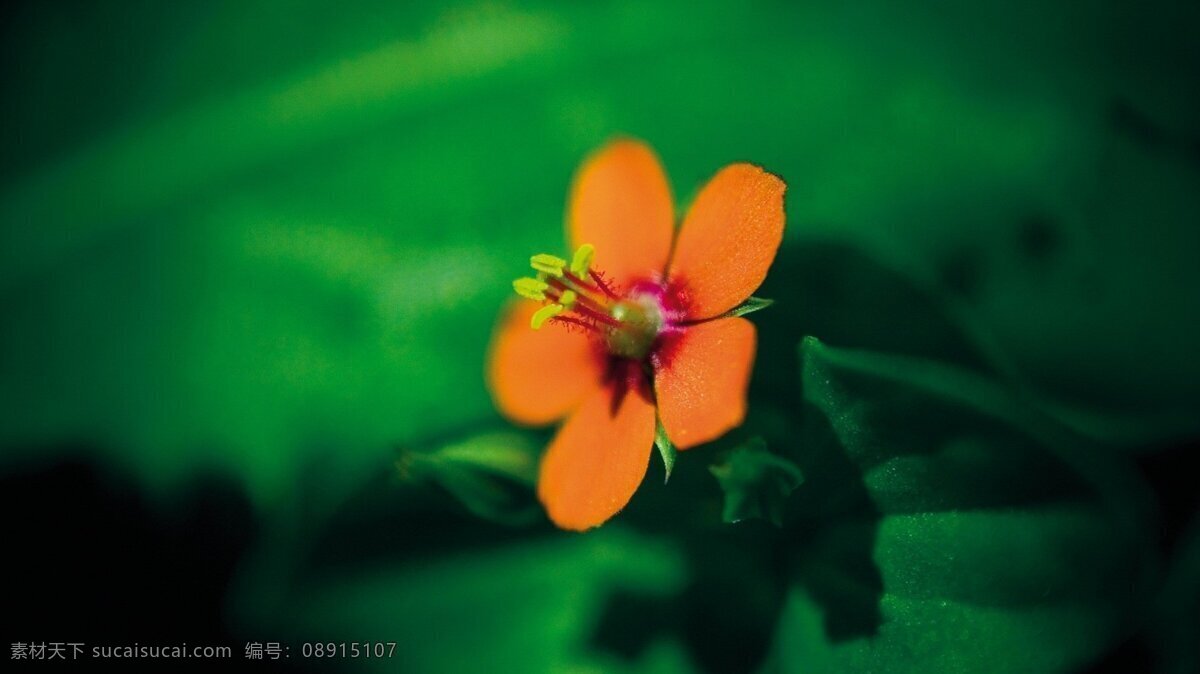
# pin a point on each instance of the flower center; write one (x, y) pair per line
(641, 320)
(578, 296)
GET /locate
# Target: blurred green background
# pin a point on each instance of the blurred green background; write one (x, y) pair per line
(251, 255)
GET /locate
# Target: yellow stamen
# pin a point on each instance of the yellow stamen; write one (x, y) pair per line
(531, 288)
(544, 314)
(582, 260)
(568, 299)
(548, 264)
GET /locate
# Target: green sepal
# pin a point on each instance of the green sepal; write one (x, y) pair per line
(750, 306)
(666, 449)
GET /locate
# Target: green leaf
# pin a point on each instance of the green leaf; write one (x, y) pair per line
(666, 449)
(491, 473)
(756, 483)
(996, 540)
(750, 306)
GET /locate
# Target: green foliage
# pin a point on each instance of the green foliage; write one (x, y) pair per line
(755, 482)
(990, 550)
(263, 253)
(522, 608)
(275, 251)
(490, 473)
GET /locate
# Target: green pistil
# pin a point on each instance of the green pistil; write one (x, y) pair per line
(640, 324)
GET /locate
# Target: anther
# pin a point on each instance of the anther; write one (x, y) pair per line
(567, 299)
(548, 264)
(582, 260)
(531, 288)
(544, 314)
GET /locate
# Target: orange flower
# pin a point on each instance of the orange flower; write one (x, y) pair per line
(634, 330)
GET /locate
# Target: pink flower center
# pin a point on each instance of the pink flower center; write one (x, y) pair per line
(629, 323)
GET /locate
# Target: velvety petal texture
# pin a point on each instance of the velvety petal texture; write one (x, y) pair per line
(703, 378)
(597, 460)
(538, 376)
(621, 204)
(728, 239)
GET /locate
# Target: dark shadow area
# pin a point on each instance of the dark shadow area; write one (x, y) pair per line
(393, 519)
(1132, 123)
(732, 605)
(90, 561)
(1039, 238)
(1173, 476)
(1132, 655)
(1127, 120)
(630, 622)
(387, 523)
(832, 525)
(845, 298)
(726, 616)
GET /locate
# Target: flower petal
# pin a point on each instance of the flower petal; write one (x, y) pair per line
(728, 239)
(621, 204)
(538, 376)
(701, 380)
(597, 460)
